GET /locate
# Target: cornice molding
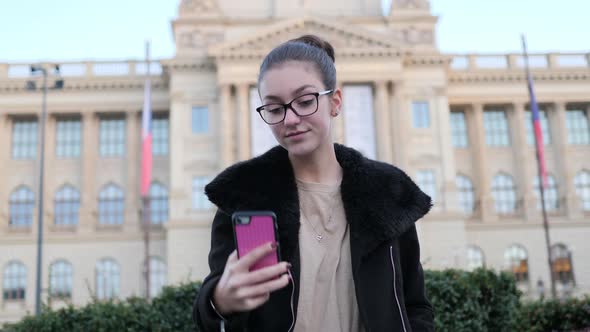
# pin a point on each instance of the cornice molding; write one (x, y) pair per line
(517, 77)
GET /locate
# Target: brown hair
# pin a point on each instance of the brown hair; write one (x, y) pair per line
(307, 48)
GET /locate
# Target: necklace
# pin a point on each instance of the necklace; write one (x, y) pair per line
(319, 236)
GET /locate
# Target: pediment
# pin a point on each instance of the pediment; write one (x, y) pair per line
(346, 40)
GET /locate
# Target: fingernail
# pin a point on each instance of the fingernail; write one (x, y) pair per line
(289, 265)
(273, 245)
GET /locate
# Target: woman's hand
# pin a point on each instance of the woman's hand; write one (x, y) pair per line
(242, 290)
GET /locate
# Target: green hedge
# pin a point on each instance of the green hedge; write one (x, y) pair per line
(472, 301)
(171, 311)
(554, 315)
(464, 301)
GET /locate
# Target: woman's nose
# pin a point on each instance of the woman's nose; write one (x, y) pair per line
(291, 118)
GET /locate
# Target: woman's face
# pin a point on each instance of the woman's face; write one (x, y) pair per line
(299, 135)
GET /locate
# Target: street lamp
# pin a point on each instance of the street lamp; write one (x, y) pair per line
(32, 86)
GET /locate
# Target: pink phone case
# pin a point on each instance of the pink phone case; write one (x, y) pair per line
(259, 231)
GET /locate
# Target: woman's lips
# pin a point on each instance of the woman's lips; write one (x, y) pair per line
(296, 134)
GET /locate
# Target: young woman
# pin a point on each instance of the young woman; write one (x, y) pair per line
(347, 238)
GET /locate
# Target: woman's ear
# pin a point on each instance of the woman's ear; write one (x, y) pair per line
(336, 102)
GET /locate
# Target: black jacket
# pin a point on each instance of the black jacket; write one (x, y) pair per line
(381, 204)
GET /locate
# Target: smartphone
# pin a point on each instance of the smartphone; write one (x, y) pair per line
(253, 229)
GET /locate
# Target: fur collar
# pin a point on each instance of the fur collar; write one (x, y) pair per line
(380, 200)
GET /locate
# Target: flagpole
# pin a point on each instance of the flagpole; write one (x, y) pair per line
(146, 172)
(540, 169)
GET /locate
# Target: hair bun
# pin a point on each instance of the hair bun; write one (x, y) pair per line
(318, 42)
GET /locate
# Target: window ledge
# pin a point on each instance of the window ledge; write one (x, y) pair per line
(19, 229)
(63, 228)
(109, 227)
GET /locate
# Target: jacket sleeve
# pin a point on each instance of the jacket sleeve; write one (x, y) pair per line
(222, 245)
(418, 308)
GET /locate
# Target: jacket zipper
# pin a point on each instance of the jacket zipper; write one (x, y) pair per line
(399, 307)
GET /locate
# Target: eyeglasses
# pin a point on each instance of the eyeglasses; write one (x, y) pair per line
(304, 105)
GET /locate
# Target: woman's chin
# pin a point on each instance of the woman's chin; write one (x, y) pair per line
(299, 149)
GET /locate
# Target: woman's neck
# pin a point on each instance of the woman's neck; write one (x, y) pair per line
(319, 167)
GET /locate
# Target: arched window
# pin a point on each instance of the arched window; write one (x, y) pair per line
(466, 193)
(475, 258)
(111, 205)
(158, 275)
(516, 261)
(67, 205)
(158, 203)
(582, 184)
(60, 279)
(107, 279)
(22, 202)
(551, 194)
(561, 263)
(504, 194)
(14, 281)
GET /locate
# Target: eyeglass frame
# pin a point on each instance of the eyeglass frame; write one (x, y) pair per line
(288, 106)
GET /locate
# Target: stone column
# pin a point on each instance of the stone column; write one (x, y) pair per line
(400, 122)
(383, 125)
(133, 169)
(5, 156)
(478, 151)
(89, 155)
(523, 160)
(243, 122)
(49, 185)
(565, 177)
(226, 127)
(441, 115)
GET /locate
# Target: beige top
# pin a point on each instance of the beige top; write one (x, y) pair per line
(327, 300)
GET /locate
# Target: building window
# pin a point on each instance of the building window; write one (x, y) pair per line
(14, 281)
(111, 205)
(427, 182)
(112, 137)
(582, 184)
(561, 263)
(516, 261)
(107, 279)
(459, 130)
(22, 203)
(551, 194)
(200, 200)
(158, 276)
(67, 205)
(24, 139)
(578, 130)
(504, 194)
(466, 193)
(158, 197)
(200, 119)
(475, 258)
(530, 132)
(420, 114)
(68, 138)
(160, 133)
(60, 280)
(496, 128)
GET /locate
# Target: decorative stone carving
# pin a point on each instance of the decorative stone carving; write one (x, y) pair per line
(198, 7)
(339, 38)
(411, 4)
(414, 36)
(199, 39)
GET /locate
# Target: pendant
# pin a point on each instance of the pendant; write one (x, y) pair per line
(319, 238)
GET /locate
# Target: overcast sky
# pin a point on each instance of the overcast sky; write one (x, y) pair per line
(36, 30)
